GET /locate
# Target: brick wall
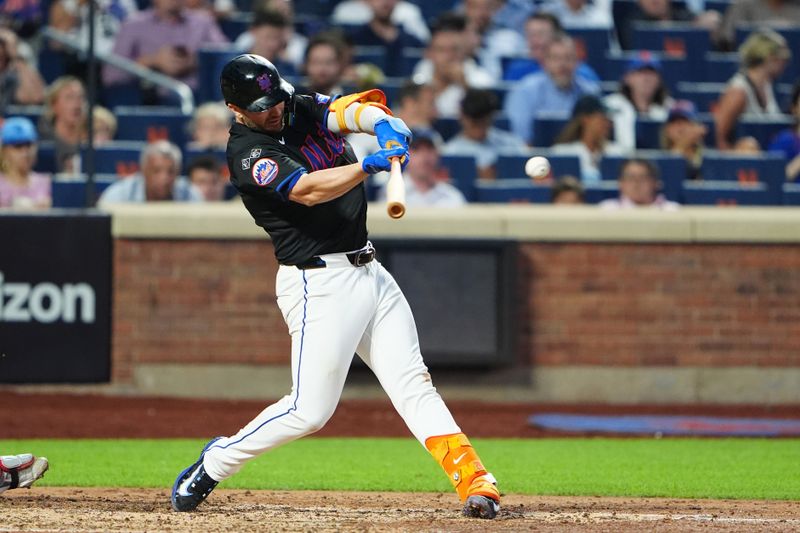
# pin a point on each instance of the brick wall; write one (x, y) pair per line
(209, 301)
(655, 305)
(197, 301)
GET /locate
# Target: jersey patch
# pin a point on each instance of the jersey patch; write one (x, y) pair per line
(321, 99)
(264, 171)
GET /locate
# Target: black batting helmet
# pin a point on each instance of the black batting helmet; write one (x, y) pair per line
(253, 83)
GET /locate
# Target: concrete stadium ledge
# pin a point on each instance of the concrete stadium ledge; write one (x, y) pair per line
(507, 221)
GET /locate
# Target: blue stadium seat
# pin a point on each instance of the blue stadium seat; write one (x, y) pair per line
(674, 68)
(431, 10)
(707, 192)
(672, 169)
(210, 61)
(463, 173)
(767, 169)
(411, 56)
(764, 129)
(720, 66)
(45, 157)
(791, 194)
(591, 44)
(447, 127)
(648, 133)
(375, 55)
(675, 39)
(546, 127)
(151, 124)
(704, 95)
(191, 153)
(235, 24)
(597, 192)
(512, 191)
(119, 157)
(513, 166)
(502, 123)
(31, 112)
(71, 192)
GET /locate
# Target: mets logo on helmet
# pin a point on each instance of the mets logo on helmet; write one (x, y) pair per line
(264, 171)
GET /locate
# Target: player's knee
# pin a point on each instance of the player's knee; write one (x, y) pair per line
(313, 422)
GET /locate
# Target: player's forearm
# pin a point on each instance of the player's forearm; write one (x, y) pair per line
(328, 184)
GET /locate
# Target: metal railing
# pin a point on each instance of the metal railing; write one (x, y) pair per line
(183, 91)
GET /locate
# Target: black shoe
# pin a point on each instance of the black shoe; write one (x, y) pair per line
(187, 496)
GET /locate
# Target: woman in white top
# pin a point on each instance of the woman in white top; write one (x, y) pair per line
(763, 57)
(587, 136)
(642, 94)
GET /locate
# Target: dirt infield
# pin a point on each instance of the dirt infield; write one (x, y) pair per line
(81, 510)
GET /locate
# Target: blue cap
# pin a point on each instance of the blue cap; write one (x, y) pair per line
(643, 60)
(18, 130)
(682, 109)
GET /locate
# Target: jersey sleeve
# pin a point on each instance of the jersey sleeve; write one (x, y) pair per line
(265, 171)
(315, 106)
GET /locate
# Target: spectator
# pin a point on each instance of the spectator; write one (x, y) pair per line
(268, 34)
(447, 68)
(416, 105)
(567, 190)
(205, 173)
(296, 43)
(165, 38)
(71, 16)
(23, 17)
(19, 185)
(210, 127)
(324, 65)
(764, 13)
(683, 134)
(492, 42)
(587, 136)
(554, 89)
(64, 121)
(20, 82)
(157, 181)
(540, 30)
(763, 57)
(406, 14)
(512, 14)
(478, 137)
(638, 187)
(581, 13)
(105, 125)
(381, 31)
(662, 11)
(788, 141)
(423, 177)
(216, 8)
(642, 94)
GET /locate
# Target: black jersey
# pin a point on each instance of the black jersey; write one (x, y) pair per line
(265, 166)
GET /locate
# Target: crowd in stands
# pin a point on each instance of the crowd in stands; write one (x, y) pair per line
(636, 102)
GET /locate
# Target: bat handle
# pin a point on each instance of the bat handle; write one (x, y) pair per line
(395, 191)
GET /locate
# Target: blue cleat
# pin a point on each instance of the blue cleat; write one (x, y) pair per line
(193, 485)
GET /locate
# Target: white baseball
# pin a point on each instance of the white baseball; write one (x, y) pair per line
(537, 167)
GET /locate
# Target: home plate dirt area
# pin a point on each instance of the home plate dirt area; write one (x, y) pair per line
(79, 509)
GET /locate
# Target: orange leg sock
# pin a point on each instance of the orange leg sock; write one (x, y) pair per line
(463, 466)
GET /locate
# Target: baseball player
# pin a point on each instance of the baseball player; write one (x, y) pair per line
(300, 181)
(21, 471)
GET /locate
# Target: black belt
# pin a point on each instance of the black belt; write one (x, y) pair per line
(357, 259)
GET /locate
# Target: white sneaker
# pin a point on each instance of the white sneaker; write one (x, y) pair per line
(21, 471)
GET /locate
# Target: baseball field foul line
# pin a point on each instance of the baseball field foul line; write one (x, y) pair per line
(651, 517)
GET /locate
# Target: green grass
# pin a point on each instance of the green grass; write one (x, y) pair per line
(697, 468)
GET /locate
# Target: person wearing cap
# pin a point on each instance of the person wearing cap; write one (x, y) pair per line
(554, 89)
(157, 181)
(587, 135)
(424, 176)
(642, 94)
(763, 58)
(638, 187)
(19, 185)
(683, 134)
(478, 137)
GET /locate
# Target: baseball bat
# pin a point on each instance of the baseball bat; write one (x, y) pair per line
(396, 191)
